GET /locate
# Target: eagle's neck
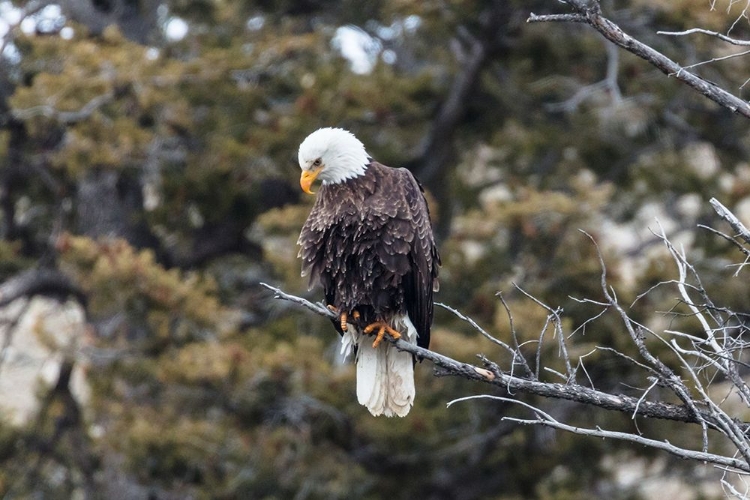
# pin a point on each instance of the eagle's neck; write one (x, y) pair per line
(348, 164)
(340, 196)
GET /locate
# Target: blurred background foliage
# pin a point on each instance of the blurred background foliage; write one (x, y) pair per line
(148, 151)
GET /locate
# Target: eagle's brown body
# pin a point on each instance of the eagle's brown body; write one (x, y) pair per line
(368, 241)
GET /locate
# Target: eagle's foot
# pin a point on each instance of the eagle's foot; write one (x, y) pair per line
(343, 317)
(382, 329)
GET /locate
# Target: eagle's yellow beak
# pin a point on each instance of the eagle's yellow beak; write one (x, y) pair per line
(307, 178)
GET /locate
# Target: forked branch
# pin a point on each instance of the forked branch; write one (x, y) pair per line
(590, 13)
(492, 374)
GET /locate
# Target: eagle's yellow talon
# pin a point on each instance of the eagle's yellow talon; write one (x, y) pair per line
(395, 334)
(343, 317)
(379, 337)
(382, 329)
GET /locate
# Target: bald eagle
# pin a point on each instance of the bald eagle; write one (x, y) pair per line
(368, 242)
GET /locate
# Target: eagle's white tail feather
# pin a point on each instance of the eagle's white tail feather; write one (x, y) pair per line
(371, 377)
(385, 375)
(400, 379)
(349, 341)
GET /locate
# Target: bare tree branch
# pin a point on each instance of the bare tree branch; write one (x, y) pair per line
(590, 13)
(717, 59)
(728, 238)
(48, 282)
(728, 39)
(318, 308)
(478, 328)
(64, 117)
(733, 221)
(571, 392)
(547, 420)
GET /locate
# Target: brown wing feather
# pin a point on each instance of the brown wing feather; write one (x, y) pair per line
(421, 281)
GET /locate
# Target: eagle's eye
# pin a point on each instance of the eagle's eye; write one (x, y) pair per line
(316, 163)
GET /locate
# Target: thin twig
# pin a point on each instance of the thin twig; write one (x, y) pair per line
(728, 39)
(545, 419)
(314, 307)
(478, 328)
(728, 238)
(517, 346)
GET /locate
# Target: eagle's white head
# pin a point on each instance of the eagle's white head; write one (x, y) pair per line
(333, 155)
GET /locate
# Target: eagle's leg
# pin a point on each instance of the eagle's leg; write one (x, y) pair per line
(343, 317)
(382, 329)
